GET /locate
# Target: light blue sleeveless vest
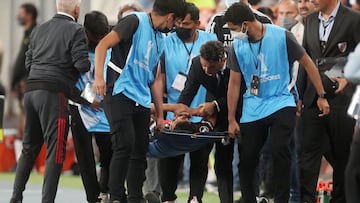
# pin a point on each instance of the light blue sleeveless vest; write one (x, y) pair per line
(274, 72)
(177, 60)
(138, 72)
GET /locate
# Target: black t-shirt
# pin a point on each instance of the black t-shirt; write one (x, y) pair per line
(125, 28)
(217, 22)
(294, 49)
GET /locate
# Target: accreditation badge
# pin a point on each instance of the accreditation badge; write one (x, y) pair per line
(179, 82)
(255, 85)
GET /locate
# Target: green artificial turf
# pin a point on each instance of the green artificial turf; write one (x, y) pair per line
(74, 182)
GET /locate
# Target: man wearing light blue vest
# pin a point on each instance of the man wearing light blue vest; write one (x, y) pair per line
(263, 55)
(88, 119)
(134, 73)
(180, 48)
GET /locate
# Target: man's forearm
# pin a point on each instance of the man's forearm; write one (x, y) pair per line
(157, 92)
(233, 94)
(100, 55)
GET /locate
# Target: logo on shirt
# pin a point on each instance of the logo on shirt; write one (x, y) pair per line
(342, 47)
(265, 77)
(145, 63)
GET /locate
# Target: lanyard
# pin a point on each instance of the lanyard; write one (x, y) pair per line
(256, 60)
(189, 53)
(155, 33)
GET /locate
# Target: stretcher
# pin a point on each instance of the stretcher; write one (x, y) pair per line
(169, 143)
(223, 136)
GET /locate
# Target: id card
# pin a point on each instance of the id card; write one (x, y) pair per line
(88, 94)
(179, 82)
(255, 85)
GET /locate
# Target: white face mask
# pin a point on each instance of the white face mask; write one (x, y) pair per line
(239, 35)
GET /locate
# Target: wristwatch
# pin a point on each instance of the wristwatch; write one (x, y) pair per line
(322, 95)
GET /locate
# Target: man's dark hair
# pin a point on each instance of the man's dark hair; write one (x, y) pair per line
(96, 23)
(30, 9)
(163, 7)
(267, 11)
(185, 126)
(193, 11)
(238, 13)
(212, 51)
(358, 2)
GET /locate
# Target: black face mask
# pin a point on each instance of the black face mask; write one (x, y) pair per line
(183, 33)
(165, 30)
(21, 21)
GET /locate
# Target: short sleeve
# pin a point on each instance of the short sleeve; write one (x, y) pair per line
(127, 26)
(294, 49)
(162, 63)
(232, 61)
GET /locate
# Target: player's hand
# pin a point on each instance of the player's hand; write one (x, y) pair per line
(233, 129)
(323, 106)
(96, 105)
(342, 84)
(182, 110)
(99, 87)
(207, 109)
(160, 124)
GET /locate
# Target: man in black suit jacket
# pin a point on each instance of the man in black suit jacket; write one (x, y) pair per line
(209, 70)
(330, 33)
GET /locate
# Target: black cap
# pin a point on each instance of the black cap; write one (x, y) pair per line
(96, 23)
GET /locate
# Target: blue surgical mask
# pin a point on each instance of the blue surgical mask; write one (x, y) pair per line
(231, 2)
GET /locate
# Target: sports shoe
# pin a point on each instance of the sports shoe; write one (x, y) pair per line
(104, 197)
(152, 197)
(262, 200)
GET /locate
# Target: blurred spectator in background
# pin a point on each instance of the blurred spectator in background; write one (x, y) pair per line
(2, 97)
(355, 4)
(268, 12)
(26, 18)
(207, 9)
(352, 174)
(128, 8)
(288, 11)
(305, 8)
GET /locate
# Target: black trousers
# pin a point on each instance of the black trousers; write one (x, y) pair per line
(129, 126)
(329, 136)
(352, 175)
(279, 126)
(224, 155)
(169, 170)
(85, 156)
(46, 116)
